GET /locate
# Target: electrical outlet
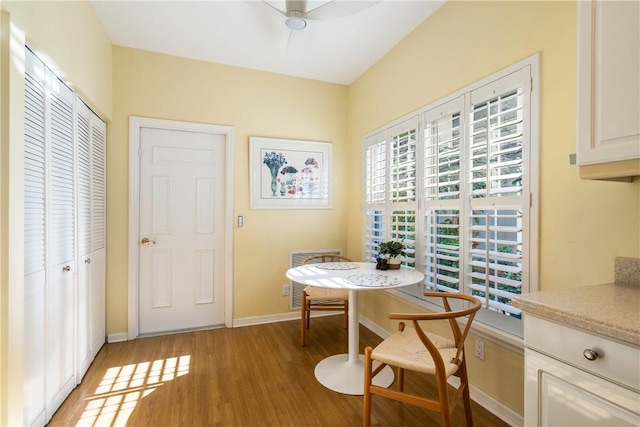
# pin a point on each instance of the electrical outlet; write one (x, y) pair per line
(479, 349)
(285, 290)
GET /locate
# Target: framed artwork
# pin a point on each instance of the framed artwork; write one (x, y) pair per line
(289, 174)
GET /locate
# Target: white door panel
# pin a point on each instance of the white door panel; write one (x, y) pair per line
(181, 282)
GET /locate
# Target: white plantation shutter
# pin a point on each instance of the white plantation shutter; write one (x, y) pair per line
(474, 161)
(61, 173)
(499, 192)
(495, 266)
(375, 232)
(442, 165)
(403, 161)
(375, 193)
(442, 250)
(376, 170)
(34, 167)
(403, 228)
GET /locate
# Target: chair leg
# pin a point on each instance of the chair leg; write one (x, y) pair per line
(466, 399)
(303, 320)
(443, 397)
(401, 379)
(366, 408)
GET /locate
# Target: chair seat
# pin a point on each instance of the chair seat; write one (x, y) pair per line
(405, 350)
(315, 293)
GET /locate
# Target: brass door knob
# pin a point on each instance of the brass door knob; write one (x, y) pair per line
(145, 241)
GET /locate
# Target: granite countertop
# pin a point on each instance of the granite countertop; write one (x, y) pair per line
(611, 309)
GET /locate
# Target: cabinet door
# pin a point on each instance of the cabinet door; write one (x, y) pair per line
(559, 395)
(83, 161)
(34, 242)
(98, 232)
(60, 293)
(608, 83)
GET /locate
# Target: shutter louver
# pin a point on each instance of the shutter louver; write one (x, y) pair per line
(374, 233)
(495, 267)
(496, 147)
(403, 228)
(34, 171)
(62, 173)
(403, 167)
(84, 180)
(442, 250)
(376, 173)
(442, 158)
(98, 182)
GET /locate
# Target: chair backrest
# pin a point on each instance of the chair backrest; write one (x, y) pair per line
(449, 314)
(318, 258)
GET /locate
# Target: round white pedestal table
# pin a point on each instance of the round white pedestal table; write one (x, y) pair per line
(344, 373)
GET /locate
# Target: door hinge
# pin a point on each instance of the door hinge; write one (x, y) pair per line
(139, 151)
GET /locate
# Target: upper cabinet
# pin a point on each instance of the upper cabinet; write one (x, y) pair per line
(608, 89)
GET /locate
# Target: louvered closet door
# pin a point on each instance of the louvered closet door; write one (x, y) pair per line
(83, 158)
(61, 215)
(34, 242)
(98, 233)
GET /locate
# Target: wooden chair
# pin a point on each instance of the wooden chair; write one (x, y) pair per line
(416, 350)
(322, 299)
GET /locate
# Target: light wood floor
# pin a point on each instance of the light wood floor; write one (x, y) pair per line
(250, 376)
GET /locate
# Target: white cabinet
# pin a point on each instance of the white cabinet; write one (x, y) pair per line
(64, 233)
(608, 81)
(90, 159)
(564, 388)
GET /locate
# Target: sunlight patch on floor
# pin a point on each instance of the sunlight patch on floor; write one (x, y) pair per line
(122, 387)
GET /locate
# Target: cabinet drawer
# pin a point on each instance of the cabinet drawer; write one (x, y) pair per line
(615, 361)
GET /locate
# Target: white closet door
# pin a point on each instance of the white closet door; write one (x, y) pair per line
(61, 215)
(83, 159)
(98, 225)
(34, 243)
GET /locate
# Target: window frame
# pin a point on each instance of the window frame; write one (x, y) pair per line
(526, 72)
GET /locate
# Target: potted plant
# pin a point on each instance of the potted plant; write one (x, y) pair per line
(393, 250)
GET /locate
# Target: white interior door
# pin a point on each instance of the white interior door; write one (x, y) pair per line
(181, 230)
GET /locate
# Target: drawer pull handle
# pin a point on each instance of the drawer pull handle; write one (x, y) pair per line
(590, 354)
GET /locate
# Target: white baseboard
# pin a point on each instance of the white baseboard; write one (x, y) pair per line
(282, 317)
(498, 409)
(118, 337)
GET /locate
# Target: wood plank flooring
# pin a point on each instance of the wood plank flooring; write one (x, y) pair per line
(249, 376)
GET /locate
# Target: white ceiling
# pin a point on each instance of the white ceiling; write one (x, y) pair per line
(251, 34)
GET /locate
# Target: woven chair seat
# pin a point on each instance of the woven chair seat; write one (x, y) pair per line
(405, 350)
(315, 293)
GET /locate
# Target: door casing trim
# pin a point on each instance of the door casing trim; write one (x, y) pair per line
(135, 125)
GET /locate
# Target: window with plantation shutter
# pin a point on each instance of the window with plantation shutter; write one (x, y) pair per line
(475, 159)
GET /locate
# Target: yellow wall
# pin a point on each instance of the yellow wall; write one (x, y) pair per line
(68, 36)
(70, 33)
(583, 224)
(255, 103)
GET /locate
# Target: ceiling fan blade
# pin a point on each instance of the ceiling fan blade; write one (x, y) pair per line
(337, 9)
(274, 8)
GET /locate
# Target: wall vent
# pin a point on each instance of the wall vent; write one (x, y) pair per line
(295, 259)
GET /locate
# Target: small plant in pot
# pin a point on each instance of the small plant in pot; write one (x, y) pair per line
(393, 250)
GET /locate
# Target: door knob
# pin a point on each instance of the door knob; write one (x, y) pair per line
(145, 241)
(87, 261)
(66, 268)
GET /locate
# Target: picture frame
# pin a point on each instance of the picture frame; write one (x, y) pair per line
(290, 174)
